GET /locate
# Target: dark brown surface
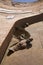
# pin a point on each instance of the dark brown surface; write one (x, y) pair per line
(32, 56)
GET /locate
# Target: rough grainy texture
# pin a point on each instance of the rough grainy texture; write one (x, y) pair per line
(31, 56)
(7, 22)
